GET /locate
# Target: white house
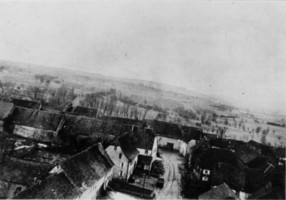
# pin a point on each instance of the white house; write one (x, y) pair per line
(124, 155)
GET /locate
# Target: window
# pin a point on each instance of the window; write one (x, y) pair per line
(206, 172)
(122, 164)
(146, 151)
(120, 155)
(120, 173)
(205, 178)
(115, 148)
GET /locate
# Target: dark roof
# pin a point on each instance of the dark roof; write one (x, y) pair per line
(88, 166)
(127, 121)
(144, 138)
(225, 143)
(202, 142)
(23, 172)
(36, 118)
(5, 109)
(127, 144)
(146, 160)
(209, 158)
(191, 133)
(79, 125)
(166, 129)
(254, 152)
(85, 111)
(222, 191)
(55, 186)
(26, 103)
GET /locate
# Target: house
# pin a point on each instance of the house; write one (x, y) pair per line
(168, 134)
(6, 110)
(222, 191)
(84, 111)
(190, 136)
(145, 139)
(26, 103)
(82, 176)
(124, 155)
(257, 156)
(38, 125)
(16, 175)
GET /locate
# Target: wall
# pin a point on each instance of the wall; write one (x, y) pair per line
(183, 148)
(164, 140)
(34, 133)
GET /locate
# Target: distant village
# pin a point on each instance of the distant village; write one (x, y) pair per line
(74, 153)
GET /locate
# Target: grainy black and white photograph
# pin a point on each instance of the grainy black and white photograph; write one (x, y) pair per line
(142, 99)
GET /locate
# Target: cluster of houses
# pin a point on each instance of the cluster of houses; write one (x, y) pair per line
(73, 154)
(230, 169)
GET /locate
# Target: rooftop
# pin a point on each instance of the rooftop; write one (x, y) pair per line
(127, 144)
(36, 118)
(55, 186)
(222, 191)
(26, 103)
(88, 166)
(23, 172)
(84, 111)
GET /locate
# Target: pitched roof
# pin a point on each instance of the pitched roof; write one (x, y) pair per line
(88, 166)
(26, 103)
(253, 151)
(144, 138)
(127, 121)
(23, 172)
(55, 186)
(85, 111)
(5, 109)
(36, 118)
(79, 125)
(126, 143)
(222, 191)
(167, 129)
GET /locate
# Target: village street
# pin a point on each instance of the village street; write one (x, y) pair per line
(171, 189)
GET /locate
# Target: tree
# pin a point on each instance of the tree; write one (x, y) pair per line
(258, 129)
(158, 168)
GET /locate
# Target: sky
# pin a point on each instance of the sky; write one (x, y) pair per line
(235, 50)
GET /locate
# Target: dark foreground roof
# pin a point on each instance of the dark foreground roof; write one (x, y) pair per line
(5, 109)
(127, 145)
(55, 186)
(36, 118)
(22, 172)
(222, 191)
(88, 166)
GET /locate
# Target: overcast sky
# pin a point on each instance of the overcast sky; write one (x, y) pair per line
(236, 50)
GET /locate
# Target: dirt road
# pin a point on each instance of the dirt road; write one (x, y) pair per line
(172, 177)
